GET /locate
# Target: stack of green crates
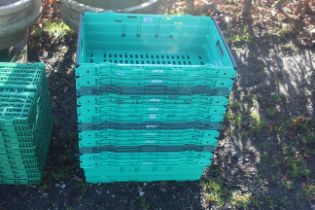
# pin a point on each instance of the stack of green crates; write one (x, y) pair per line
(152, 91)
(25, 122)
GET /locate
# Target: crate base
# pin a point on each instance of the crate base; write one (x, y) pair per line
(147, 57)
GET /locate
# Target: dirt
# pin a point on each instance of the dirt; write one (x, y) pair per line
(267, 159)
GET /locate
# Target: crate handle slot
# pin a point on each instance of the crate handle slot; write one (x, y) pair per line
(123, 30)
(220, 48)
(157, 30)
(139, 29)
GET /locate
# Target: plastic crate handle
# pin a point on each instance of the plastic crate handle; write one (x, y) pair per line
(225, 45)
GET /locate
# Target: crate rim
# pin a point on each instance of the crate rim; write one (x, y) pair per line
(231, 57)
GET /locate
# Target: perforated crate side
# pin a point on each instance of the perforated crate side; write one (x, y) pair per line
(25, 76)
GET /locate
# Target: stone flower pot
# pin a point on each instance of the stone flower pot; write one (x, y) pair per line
(16, 16)
(72, 9)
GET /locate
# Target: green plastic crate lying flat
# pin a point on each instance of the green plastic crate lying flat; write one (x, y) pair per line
(147, 137)
(195, 100)
(179, 116)
(154, 166)
(103, 74)
(158, 108)
(140, 72)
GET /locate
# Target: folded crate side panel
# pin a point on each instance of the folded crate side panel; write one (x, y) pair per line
(101, 138)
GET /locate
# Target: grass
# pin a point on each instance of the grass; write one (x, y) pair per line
(275, 163)
(53, 29)
(272, 112)
(57, 29)
(295, 166)
(270, 202)
(144, 204)
(264, 157)
(234, 119)
(242, 37)
(213, 192)
(287, 184)
(234, 104)
(281, 127)
(240, 200)
(285, 30)
(258, 123)
(309, 142)
(309, 191)
(278, 98)
(256, 118)
(309, 138)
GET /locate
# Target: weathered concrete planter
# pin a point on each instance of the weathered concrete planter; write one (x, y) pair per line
(15, 18)
(16, 53)
(71, 9)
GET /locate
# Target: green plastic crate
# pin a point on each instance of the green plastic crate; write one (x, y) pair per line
(180, 116)
(151, 108)
(21, 75)
(25, 122)
(103, 74)
(152, 40)
(196, 100)
(145, 137)
(147, 84)
(21, 120)
(132, 159)
(179, 73)
(152, 50)
(117, 167)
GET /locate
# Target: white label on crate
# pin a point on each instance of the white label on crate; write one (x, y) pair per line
(147, 19)
(150, 134)
(149, 142)
(152, 116)
(158, 71)
(154, 109)
(157, 81)
(151, 126)
(155, 100)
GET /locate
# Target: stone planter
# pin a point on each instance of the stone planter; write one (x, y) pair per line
(16, 53)
(15, 18)
(72, 9)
